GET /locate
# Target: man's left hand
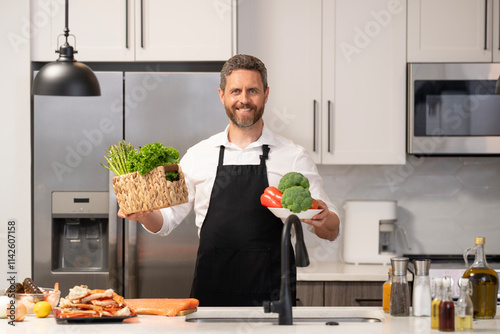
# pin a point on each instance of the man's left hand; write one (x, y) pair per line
(325, 224)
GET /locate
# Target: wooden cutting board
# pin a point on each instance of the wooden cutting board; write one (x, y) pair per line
(186, 312)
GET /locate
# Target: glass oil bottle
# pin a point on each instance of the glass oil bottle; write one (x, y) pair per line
(386, 293)
(464, 308)
(447, 308)
(483, 280)
(436, 301)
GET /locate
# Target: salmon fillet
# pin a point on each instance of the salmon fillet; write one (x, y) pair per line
(161, 306)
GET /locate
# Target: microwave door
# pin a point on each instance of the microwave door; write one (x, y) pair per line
(448, 116)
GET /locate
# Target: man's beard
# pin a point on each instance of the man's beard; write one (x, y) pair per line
(244, 121)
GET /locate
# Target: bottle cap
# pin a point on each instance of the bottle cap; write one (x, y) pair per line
(422, 267)
(399, 265)
(446, 282)
(479, 240)
(464, 281)
(438, 281)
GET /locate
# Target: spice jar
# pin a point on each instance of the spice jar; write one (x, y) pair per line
(400, 292)
(421, 288)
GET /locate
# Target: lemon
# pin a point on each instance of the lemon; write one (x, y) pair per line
(42, 309)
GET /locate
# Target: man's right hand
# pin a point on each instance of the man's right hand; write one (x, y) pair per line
(151, 220)
(134, 216)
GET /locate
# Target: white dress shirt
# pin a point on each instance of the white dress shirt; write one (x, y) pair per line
(199, 165)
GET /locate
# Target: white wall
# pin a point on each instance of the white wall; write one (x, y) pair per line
(443, 203)
(15, 157)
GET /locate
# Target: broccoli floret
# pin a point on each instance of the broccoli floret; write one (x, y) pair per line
(292, 179)
(296, 199)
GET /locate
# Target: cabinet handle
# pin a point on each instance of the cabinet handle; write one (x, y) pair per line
(142, 24)
(368, 302)
(314, 125)
(126, 24)
(329, 125)
(485, 24)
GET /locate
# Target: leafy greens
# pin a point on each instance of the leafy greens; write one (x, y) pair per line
(123, 159)
(151, 156)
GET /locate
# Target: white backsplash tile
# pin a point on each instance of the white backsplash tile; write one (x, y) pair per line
(443, 202)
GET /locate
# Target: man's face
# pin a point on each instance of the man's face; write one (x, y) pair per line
(244, 97)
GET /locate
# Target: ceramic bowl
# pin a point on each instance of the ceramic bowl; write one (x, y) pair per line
(284, 213)
(30, 299)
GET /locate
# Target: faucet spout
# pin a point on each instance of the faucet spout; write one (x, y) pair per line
(284, 305)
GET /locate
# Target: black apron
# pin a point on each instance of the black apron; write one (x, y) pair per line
(239, 256)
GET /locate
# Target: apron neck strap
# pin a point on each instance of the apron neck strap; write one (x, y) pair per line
(265, 154)
(221, 155)
(263, 157)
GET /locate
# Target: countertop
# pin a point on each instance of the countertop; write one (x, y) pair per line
(158, 324)
(337, 271)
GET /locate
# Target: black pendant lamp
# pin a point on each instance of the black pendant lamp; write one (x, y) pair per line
(66, 76)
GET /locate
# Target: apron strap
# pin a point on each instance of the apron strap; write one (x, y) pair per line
(263, 157)
(221, 155)
(265, 154)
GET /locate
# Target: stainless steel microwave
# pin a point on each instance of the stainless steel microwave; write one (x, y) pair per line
(453, 109)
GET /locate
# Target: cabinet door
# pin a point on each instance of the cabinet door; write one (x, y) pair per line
(449, 31)
(364, 123)
(353, 293)
(185, 30)
(102, 29)
(310, 293)
(286, 36)
(496, 31)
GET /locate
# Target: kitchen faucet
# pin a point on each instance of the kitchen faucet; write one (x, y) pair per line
(283, 306)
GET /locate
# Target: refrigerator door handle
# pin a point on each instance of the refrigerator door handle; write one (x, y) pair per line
(130, 279)
(115, 277)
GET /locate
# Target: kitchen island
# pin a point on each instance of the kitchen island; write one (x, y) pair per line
(159, 324)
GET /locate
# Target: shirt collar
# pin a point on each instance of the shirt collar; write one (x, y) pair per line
(267, 138)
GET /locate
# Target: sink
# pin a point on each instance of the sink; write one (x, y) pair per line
(301, 315)
(328, 321)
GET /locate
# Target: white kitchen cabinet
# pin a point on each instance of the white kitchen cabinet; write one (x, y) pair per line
(184, 30)
(337, 75)
(453, 31)
(364, 82)
(286, 36)
(138, 30)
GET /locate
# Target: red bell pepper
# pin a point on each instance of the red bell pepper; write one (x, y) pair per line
(271, 198)
(314, 204)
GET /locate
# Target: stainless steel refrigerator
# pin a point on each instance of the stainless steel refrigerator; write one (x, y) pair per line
(77, 236)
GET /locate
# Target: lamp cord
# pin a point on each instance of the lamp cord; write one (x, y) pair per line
(66, 29)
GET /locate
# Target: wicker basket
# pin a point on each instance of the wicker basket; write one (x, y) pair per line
(138, 193)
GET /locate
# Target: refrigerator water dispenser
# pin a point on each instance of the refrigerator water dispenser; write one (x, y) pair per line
(80, 231)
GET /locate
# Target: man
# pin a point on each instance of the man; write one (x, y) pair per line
(238, 261)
